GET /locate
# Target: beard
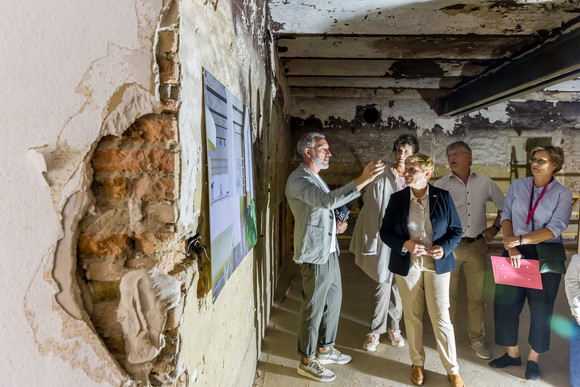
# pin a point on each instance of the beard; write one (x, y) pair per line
(320, 163)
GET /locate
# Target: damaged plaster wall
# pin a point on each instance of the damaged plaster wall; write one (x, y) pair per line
(73, 75)
(492, 132)
(550, 116)
(221, 339)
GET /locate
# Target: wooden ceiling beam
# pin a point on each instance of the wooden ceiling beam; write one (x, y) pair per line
(450, 47)
(383, 67)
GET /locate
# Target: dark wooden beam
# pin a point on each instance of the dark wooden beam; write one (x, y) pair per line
(554, 62)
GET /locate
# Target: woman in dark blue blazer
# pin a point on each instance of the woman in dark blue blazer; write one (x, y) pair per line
(422, 228)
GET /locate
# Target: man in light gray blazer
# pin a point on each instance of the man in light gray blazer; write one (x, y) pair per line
(316, 250)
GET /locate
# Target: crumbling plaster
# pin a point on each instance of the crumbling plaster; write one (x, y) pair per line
(74, 74)
(498, 126)
(228, 41)
(416, 16)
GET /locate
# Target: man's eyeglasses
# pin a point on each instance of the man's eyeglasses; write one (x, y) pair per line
(538, 161)
(454, 154)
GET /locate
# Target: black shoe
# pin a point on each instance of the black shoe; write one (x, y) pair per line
(506, 360)
(532, 370)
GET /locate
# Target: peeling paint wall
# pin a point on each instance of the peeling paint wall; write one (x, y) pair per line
(491, 132)
(221, 340)
(406, 16)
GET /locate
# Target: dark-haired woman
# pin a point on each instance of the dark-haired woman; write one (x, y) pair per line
(372, 256)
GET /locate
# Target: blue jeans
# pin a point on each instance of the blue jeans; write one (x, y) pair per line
(575, 356)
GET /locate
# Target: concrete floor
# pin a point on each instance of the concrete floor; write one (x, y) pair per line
(390, 366)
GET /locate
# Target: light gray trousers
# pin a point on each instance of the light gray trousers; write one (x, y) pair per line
(321, 301)
(383, 306)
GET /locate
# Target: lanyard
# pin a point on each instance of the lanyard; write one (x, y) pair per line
(531, 210)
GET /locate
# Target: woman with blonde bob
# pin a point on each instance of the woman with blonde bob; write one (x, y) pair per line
(536, 212)
(422, 228)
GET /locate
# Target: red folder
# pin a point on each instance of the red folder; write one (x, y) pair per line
(526, 276)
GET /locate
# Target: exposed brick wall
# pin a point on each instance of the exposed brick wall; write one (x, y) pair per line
(132, 224)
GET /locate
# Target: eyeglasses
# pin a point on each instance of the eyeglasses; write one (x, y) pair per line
(454, 154)
(539, 161)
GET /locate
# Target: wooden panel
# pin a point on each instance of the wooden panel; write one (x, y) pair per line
(376, 82)
(475, 47)
(345, 92)
(380, 67)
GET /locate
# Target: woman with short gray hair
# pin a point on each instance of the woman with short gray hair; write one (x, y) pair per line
(536, 212)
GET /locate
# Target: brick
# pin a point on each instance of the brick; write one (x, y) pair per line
(134, 161)
(155, 188)
(112, 218)
(170, 106)
(148, 243)
(158, 128)
(168, 71)
(165, 92)
(105, 291)
(167, 41)
(169, 92)
(163, 213)
(114, 188)
(105, 271)
(103, 245)
(175, 93)
(142, 261)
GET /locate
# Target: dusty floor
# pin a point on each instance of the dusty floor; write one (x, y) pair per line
(390, 366)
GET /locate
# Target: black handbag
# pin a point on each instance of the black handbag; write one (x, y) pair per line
(552, 257)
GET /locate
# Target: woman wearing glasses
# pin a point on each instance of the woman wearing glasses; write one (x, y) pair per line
(536, 212)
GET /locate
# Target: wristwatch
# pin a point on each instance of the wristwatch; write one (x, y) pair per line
(497, 228)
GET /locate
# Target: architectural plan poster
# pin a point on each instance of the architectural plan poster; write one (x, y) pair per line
(232, 209)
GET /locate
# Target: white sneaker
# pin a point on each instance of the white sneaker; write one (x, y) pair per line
(371, 342)
(315, 370)
(396, 338)
(333, 356)
(481, 350)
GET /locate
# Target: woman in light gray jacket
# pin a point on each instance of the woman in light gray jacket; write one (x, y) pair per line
(372, 255)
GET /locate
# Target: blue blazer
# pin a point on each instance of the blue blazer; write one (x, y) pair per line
(447, 230)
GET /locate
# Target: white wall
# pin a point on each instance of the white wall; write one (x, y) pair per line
(68, 70)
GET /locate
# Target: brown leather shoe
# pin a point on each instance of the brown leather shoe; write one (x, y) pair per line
(417, 375)
(455, 380)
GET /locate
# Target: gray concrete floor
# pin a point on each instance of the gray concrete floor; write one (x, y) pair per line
(390, 366)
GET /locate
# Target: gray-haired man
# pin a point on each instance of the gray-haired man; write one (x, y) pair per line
(316, 250)
(470, 193)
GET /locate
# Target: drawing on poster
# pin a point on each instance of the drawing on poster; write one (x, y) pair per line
(232, 210)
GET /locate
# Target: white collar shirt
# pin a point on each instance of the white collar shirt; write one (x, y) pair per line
(419, 223)
(471, 199)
